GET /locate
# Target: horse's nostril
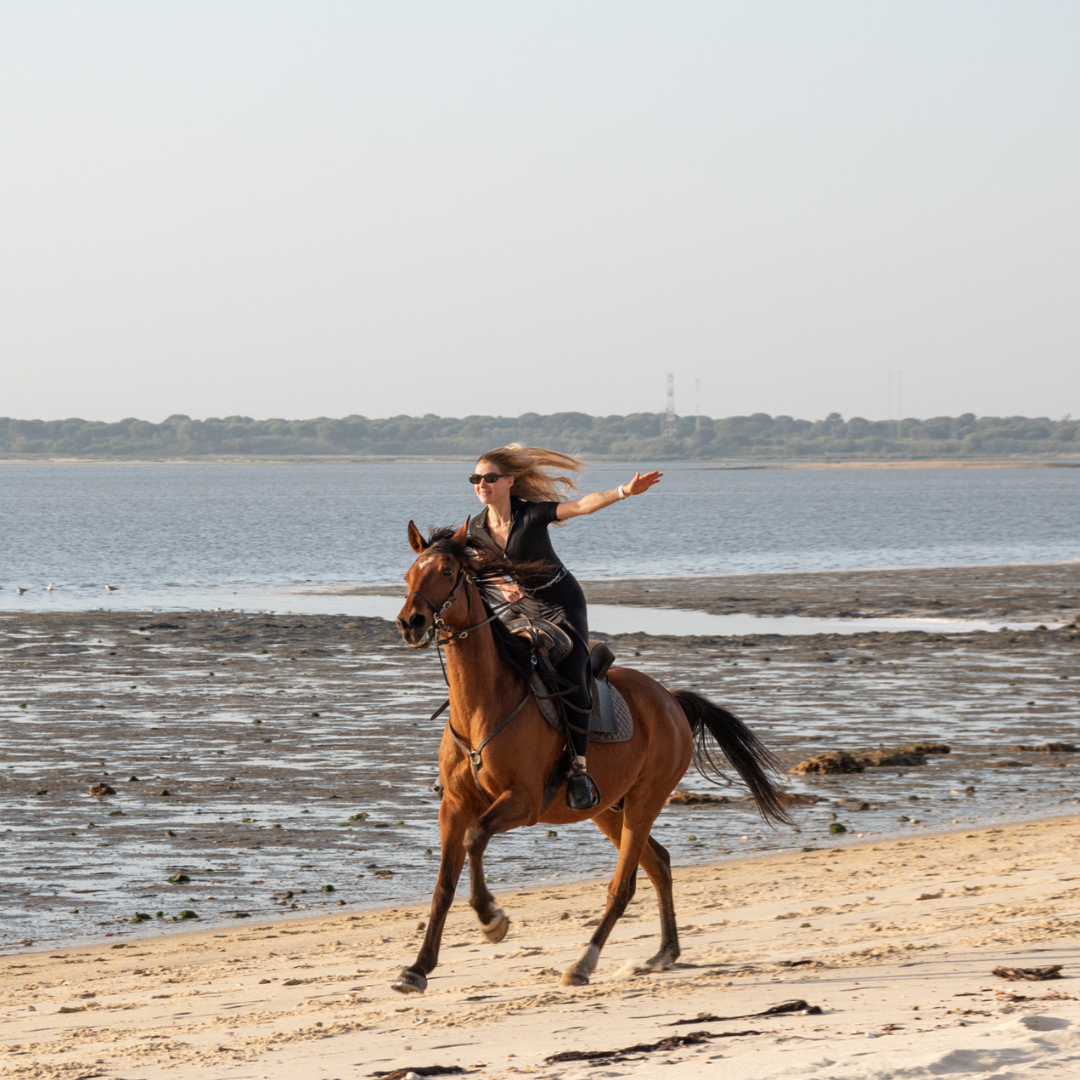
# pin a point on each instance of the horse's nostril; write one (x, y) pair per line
(416, 620)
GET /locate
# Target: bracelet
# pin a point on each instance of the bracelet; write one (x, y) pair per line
(624, 492)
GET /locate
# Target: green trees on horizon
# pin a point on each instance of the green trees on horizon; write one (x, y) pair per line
(639, 436)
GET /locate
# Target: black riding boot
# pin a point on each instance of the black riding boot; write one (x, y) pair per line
(582, 791)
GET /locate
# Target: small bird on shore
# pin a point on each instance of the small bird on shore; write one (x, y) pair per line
(50, 587)
(111, 588)
(19, 589)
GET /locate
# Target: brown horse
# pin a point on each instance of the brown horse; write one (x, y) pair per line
(487, 670)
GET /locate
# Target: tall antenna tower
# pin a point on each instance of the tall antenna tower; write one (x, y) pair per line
(899, 404)
(669, 412)
(697, 405)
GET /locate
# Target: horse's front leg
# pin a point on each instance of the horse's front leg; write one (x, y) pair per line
(507, 812)
(453, 819)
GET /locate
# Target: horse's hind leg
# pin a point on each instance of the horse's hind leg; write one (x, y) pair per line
(630, 838)
(656, 862)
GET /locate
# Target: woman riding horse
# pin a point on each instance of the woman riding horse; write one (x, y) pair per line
(521, 499)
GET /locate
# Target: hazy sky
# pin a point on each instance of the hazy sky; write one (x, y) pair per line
(321, 208)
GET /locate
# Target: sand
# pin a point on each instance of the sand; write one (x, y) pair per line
(893, 940)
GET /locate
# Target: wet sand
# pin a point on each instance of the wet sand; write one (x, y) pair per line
(893, 940)
(1034, 592)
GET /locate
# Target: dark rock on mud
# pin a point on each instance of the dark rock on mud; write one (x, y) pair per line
(889, 757)
(1045, 748)
(830, 762)
(679, 797)
(101, 789)
(843, 761)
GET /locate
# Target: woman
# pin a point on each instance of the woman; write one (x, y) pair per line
(521, 499)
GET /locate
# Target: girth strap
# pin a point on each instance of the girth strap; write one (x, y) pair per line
(475, 756)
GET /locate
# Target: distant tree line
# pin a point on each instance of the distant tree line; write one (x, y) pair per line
(639, 437)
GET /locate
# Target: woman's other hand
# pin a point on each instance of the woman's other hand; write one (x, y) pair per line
(511, 591)
(641, 483)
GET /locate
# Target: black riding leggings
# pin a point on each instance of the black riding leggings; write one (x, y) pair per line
(567, 597)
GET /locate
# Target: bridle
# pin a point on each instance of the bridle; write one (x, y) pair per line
(437, 624)
(439, 632)
(444, 635)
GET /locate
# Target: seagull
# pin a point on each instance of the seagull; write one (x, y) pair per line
(50, 587)
(111, 588)
(19, 589)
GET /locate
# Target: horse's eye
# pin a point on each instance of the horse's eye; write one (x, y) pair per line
(448, 572)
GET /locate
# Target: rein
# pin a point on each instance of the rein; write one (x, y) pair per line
(444, 635)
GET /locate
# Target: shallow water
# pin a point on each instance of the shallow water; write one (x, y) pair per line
(603, 618)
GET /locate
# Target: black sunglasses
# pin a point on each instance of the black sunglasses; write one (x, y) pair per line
(488, 477)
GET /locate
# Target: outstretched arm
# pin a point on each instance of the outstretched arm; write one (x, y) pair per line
(597, 500)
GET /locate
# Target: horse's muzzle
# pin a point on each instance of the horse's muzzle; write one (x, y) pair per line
(415, 630)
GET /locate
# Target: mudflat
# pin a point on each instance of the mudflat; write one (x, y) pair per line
(1034, 592)
(263, 763)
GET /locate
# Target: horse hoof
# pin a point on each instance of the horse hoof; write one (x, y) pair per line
(410, 982)
(497, 929)
(660, 962)
(573, 977)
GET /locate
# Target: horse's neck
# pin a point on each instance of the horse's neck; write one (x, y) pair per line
(480, 684)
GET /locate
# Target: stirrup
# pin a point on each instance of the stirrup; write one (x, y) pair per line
(582, 791)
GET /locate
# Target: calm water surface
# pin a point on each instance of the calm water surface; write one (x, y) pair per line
(149, 529)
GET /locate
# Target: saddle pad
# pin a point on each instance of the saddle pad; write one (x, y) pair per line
(624, 721)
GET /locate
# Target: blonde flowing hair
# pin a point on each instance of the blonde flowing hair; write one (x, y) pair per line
(531, 468)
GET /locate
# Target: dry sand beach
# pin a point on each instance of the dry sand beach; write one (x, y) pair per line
(248, 722)
(894, 941)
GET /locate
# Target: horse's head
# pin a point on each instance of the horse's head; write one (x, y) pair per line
(434, 582)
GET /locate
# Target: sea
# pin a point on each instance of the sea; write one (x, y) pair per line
(239, 535)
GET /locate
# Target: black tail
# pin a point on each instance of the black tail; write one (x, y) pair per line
(752, 761)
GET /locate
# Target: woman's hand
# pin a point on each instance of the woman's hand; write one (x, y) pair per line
(640, 484)
(589, 504)
(511, 591)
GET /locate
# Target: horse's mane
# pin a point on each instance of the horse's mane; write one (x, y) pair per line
(484, 559)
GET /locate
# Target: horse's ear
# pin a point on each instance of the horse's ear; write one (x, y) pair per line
(416, 541)
(462, 535)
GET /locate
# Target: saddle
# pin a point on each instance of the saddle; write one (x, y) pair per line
(546, 637)
(610, 719)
